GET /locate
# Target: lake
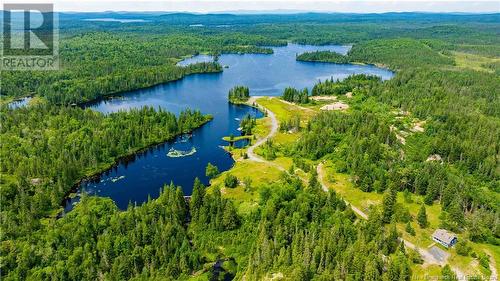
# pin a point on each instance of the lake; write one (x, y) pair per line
(143, 175)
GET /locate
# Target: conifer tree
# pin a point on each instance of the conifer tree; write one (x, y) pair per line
(409, 229)
(388, 203)
(422, 217)
(448, 274)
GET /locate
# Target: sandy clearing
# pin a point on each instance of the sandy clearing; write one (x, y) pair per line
(434, 157)
(296, 105)
(418, 127)
(335, 106)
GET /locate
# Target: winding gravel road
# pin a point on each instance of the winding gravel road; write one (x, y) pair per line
(274, 129)
(426, 255)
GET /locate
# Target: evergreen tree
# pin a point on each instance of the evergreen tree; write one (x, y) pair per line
(247, 124)
(211, 171)
(409, 229)
(392, 240)
(231, 181)
(463, 248)
(388, 203)
(230, 218)
(238, 94)
(197, 197)
(456, 215)
(295, 96)
(371, 271)
(422, 217)
(448, 274)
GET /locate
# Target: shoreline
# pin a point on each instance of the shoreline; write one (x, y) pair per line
(116, 162)
(378, 65)
(114, 95)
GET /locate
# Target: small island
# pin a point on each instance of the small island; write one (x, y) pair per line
(174, 153)
(239, 95)
(323, 56)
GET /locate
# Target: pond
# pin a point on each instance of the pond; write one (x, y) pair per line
(143, 175)
(19, 102)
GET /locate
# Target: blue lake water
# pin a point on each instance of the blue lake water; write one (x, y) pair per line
(195, 59)
(20, 102)
(136, 179)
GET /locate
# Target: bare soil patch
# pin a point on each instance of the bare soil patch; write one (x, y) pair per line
(335, 106)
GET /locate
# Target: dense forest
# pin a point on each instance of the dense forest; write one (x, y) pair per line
(297, 229)
(354, 82)
(296, 96)
(98, 64)
(323, 56)
(432, 130)
(238, 94)
(463, 130)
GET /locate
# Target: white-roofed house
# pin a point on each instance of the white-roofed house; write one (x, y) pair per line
(444, 237)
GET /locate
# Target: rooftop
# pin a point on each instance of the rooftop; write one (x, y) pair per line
(444, 236)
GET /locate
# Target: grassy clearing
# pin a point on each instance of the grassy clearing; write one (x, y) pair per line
(426, 272)
(236, 138)
(284, 162)
(474, 62)
(423, 235)
(202, 277)
(343, 186)
(471, 265)
(282, 138)
(245, 198)
(262, 127)
(492, 250)
(264, 173)
(261, 173)
(285, 111)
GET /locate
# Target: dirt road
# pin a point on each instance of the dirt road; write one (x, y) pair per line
(274, 129)
(426, 255)
(321, 179)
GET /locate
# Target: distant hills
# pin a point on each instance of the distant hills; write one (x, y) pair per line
(283, 16)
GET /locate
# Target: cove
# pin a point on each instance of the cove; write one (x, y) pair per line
(142, 175)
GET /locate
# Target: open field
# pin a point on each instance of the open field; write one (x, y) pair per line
(475, 62)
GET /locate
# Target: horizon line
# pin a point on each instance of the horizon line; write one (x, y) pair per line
(276, 12)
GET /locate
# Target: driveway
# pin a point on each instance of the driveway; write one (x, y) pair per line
(438, 254)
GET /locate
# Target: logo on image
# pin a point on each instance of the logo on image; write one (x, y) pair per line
(30, 37)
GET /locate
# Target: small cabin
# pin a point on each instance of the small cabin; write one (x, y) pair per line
(444, 238)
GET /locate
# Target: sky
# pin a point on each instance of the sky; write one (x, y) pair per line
(210, 6)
